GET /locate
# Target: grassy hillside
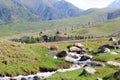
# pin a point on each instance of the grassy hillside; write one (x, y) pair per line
(32, 27)
(83, 25)
(16, 59)
(71, 26)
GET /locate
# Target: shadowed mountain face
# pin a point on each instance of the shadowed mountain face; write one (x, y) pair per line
(114, 14)
(51, 9)
(34, 10)
(115, 4)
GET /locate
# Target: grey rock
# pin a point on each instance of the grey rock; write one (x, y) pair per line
(99, 79)
(96, 64)
(62, 53)
(88, 70)
(113, 63)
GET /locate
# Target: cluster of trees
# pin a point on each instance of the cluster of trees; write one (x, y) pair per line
(46, 38)
(49, 38)
(31, 39)
(79, 37)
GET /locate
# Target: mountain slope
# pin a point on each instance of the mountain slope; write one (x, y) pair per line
(115, 4)
(11, 11)
(35, 10)
(66, 8)
(114, 14)
(51, 9)
(99, 15)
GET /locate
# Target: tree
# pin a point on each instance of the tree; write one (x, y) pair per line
(40, 33)
(32, 40)
(45, 38)
(57, 35)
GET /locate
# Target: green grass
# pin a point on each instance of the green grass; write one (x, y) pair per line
(14, 57)
(111, 77)
(75, 75)
(26, 59)
(106, 57)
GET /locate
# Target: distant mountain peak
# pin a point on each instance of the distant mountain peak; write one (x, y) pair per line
(115, 4)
